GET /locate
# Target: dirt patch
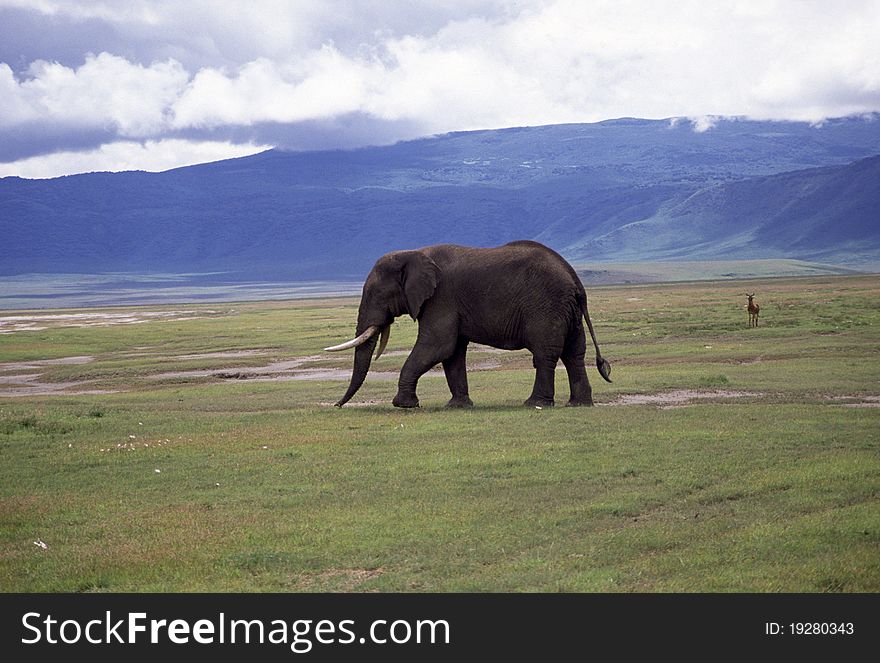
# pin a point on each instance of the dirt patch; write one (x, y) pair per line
(295, 369)
(485, 365)
(37, 364)
(338, 374)
(274, 368)
(679, 397)
(15, 383)
(233, 354)
(39, 321)
(52, 388)
(302, 374)
(856, 401)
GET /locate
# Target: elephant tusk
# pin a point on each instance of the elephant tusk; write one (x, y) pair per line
(353, 343)
(383, 340)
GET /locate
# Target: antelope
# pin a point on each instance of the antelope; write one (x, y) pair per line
(753, 310)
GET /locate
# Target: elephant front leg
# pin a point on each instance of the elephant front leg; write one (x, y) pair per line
(422, 358)
(456, 376)
(545, 382)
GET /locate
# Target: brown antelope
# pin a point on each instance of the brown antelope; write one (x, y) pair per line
(753, 310)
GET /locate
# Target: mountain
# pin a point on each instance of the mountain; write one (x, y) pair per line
(827, 214)
(621, 190)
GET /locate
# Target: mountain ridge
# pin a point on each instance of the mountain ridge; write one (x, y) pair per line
(621, 190)
(788, 211)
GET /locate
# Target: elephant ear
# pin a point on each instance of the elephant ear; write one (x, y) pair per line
(420, 276)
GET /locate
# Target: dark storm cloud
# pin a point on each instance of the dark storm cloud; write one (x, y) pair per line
(27, 35)
(35, 139)
(349, 131)
(200, 33)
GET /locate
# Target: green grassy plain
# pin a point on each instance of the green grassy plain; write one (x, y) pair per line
(722, 458)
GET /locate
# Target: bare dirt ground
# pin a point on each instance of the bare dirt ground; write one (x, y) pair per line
(297, 369)
(680, 397)
(41, 321)
(276, 371)
(38, 364)
(25, 378)
(856, 401)
(20, 378)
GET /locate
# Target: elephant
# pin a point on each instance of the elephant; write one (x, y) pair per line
(519, 295)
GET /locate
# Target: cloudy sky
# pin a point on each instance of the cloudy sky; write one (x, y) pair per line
(152, 84)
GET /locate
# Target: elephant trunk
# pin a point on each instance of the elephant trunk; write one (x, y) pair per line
(363, 356)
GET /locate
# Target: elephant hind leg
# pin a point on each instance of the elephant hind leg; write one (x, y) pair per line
(573, 359)
(579, 384)
(545, 380)
(456, 376)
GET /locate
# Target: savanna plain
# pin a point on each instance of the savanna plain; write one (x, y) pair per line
(196, 448)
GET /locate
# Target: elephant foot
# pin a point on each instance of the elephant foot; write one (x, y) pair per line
(405, 401)
(580, 402)
(539, 402)
(457, 401)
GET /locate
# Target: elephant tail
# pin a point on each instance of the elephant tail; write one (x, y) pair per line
(602, 364)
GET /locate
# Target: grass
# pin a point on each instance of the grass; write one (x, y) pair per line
(669, 271)
(200, 484)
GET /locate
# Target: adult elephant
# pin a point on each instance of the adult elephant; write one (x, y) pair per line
(520, 295)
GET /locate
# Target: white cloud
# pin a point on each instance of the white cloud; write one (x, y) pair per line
(85, 9)
(571, 61)
(325, 84)
(704, 122)
(153, 156)
(229, 33)
(106, 92)
(13, 107)
(444, 66)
